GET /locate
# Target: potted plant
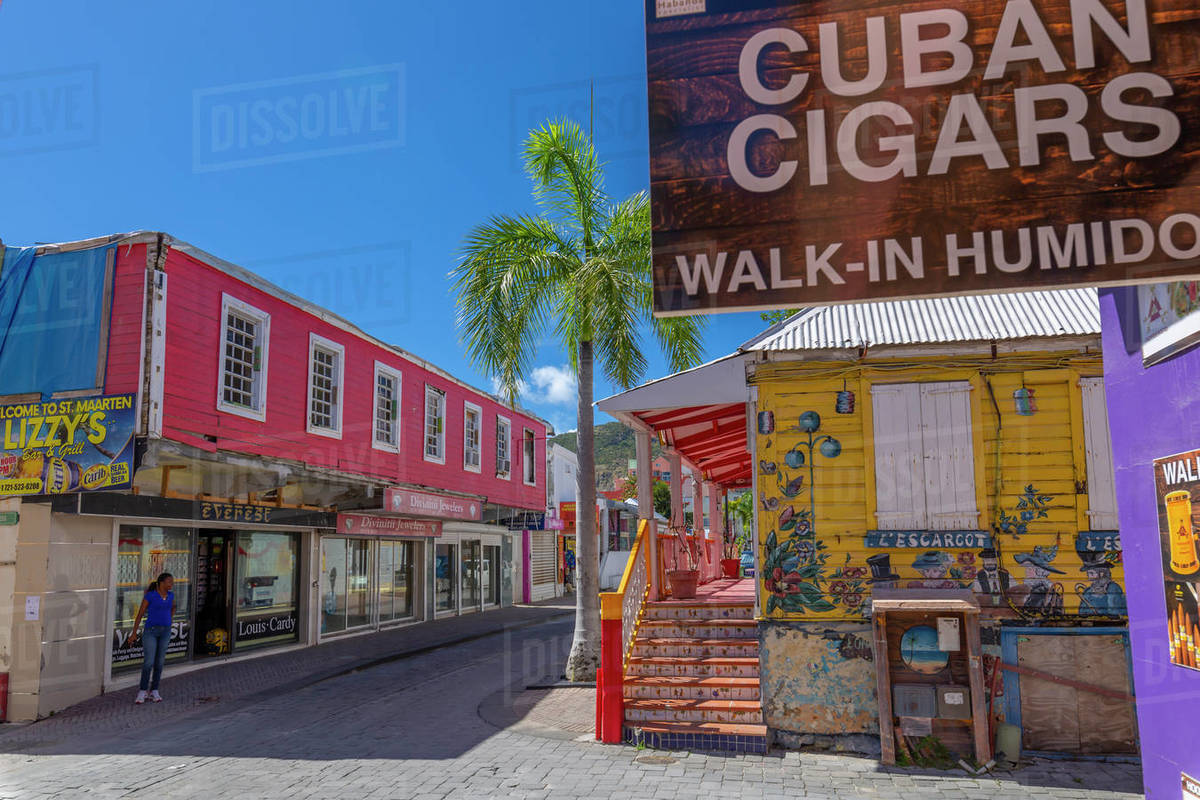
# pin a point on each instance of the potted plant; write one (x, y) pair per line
(740, 511)
(683, 580)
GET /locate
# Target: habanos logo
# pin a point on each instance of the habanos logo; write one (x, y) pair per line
(66, 446)
(817, 153)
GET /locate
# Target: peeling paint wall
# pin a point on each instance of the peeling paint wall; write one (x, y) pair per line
(818, 678)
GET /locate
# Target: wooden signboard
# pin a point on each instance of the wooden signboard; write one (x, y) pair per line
(836, 151)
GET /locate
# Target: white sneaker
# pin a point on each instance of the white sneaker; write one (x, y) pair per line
(155, 696)
(141, 697)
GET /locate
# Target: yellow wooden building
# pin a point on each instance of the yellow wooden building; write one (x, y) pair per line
(920, 445)
(943, 444)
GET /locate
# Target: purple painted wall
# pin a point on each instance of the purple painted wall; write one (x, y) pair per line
(1153, 412)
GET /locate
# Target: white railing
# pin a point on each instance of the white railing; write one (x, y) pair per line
(635, 586)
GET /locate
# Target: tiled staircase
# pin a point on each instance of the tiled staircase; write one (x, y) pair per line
(692, 679)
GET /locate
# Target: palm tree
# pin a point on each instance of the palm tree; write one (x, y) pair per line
(582, 268)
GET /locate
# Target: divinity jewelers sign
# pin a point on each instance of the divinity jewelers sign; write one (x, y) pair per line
(356, 523)
(427, 504)
(831, 152)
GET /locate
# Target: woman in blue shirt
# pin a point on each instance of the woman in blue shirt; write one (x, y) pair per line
(158, 605)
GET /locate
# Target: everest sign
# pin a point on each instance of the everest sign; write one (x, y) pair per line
(826, 152)
(427, 504)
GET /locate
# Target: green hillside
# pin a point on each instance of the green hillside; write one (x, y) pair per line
(615, 447)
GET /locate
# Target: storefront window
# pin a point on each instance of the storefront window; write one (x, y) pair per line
(491, 575)
(470, 575)
(345, 584)
(266, 577)
(446, 577)
(396, 563)
(143, 553)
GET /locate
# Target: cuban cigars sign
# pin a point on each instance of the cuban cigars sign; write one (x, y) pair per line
(828, 152)
(394, 526)
(428, 504)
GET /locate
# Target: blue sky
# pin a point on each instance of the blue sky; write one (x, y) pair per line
(341, 150)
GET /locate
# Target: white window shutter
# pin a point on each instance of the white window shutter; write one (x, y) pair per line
(949, 456)
(1101, 481)
(899, 467)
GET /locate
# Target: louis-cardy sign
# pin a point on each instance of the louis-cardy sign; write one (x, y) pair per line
(820, 152)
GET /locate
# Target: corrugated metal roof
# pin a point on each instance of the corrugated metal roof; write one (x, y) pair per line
(976, 318)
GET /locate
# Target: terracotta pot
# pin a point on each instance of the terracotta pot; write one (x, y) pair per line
(731, 567)
(683, 583)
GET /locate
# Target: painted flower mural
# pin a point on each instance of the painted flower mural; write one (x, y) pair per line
(1030, 507)
(796, 577)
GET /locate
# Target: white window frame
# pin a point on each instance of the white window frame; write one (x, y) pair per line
(263, 320)
(468, 409)
(917, 452)
(314, 342)
(382, 370)
(527, 434)
(1101, 476)
(440, 457)
(506, 440)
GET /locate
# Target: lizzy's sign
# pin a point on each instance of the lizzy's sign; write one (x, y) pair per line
(81, 444)
(807, 153)
(353, 523)
(427, 504)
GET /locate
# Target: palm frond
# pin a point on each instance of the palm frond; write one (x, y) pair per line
(506, 281)
(568, 180)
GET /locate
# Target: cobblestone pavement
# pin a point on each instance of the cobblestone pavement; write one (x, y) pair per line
(415, 728)
(232, 683)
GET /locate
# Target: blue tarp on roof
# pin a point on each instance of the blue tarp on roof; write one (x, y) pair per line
(50, 320)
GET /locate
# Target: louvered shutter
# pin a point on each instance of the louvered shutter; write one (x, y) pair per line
(899, 466)
(949, 456)
(545, 558)
(1101, 481)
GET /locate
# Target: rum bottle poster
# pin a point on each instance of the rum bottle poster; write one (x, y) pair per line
(1177, 484)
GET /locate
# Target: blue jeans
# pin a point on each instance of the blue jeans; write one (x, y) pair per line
(154, 648)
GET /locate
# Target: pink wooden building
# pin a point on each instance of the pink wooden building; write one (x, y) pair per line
(301, 478)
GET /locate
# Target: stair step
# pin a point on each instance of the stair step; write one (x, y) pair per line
(693, 646)
(714, 736)
(711, 728)
(694, 666)
(683, 610)
(680, 710)
(653, 687)
(699, 628)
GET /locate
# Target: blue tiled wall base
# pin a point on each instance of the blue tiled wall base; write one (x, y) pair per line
(697, 741)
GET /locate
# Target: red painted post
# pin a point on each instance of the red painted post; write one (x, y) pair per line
(612, 711)
(599, 698)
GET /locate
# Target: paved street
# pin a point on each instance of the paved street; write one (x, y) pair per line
(425, 726)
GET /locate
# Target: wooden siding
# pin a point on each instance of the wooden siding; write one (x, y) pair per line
(190, 414)
(126, 330)
(1032, 465)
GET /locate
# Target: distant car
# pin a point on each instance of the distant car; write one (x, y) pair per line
(748, 564)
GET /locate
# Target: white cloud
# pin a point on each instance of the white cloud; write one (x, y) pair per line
(552, 385)
(548, 385)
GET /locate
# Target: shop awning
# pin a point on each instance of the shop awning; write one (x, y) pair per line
(701, 413)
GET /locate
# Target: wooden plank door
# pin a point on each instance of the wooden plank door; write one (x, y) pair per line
(1106, 725)
(1049, 711)
(1068, 720)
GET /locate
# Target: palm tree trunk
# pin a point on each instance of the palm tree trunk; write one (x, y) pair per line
(584, 658)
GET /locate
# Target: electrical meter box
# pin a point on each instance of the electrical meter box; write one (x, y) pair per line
(953, 702)
(914, 700)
